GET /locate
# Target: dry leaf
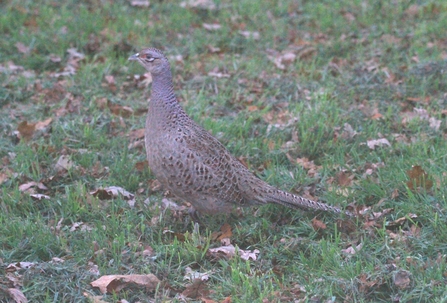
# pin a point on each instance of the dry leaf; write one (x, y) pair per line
(225, 232)
(142, 165)
(115, 283)
(63, 164)
(402, 279)
(122, 111)
(250, 35)
(27, 130)
(140, 3)
(196, 290)
(317, 224)
(27, 186)
(211, 27)
(229, 251)
(344, 179)
(201, 4)
(351, 250)
(17, 295)
(418, 178)
(372, 144)
(22, 48)
(12, 267)
(112, 192)
(192, 275)
(39, 197)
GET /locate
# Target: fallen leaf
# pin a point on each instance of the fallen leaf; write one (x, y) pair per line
(115, 283)
(229, 251)
(81, 226)
(40, 197)
(196, 290)
(400, 221)
(192, 275)
(3, 177)
(140, 3)
(142, 165)
(252, 35)
(180, 237)
(344, 178)
(22, 48)
(348, 132)
(112, 192)
(12, 267)
(17, 295)
(225, 232)
(402, 279)
(412, 10)
(63, 164)
(111, 84)
(418, 178)
(201, 4)
(318, 225)
(119, 110)
(434, 123)
(26, 186)
(27, 130)
(372, 144)
(351, 250)
(211, 27)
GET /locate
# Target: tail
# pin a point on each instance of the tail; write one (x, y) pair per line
(297, 202)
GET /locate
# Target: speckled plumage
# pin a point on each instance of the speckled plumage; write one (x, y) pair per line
(194, 165)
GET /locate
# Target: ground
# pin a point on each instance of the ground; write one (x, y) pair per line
(340, 101)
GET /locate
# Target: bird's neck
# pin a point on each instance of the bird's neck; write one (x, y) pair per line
(163, 96)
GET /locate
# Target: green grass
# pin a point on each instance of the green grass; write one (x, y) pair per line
(368, 57)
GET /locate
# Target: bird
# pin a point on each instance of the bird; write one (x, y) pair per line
(191, 163)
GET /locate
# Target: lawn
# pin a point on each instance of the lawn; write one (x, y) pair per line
(344, 102)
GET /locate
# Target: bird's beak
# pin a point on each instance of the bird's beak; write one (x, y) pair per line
(134, 57)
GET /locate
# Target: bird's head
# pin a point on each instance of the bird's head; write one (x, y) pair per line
(152, 59)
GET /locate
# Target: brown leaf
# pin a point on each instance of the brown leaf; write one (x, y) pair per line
(413, 10)
(115, 283)
(17, 295)
(122, 111)
(200, 4)
(192, 275)
(344, 179)
(400, 221)
(211, 27)
(39, 197)
(250, 35)
(196, 290)
(351, 250)
(27, 130)
(140, 3)
(229, 251)
(142, 165)
(24, 187)
(418, 178)
(372, 144)
(226, 300)
(3, 177)
(224, 233)
(22, 48)
(111, 84)
(402, 279)
(63, 164)
(318, 225)
(112, 192)
(180, 237)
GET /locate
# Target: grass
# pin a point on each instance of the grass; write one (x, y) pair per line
(369, 65)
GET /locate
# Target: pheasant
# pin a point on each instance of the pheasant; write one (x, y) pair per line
(194, 165)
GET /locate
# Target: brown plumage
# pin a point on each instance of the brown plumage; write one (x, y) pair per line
(194, 165)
